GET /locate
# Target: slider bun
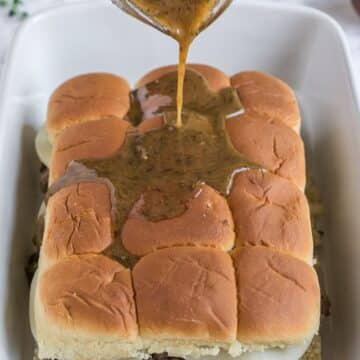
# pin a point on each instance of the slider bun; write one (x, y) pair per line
(154, 123)
(152, 105)
(278, 297)
(267, 96)
(216, 79)
(271, 145)
(206, 222)
(186, 298)
(85, 98)
(78, 221)
(85, 310)
(271, 211)
(91, 140)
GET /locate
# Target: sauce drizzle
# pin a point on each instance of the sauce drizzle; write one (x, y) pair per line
(182, 20)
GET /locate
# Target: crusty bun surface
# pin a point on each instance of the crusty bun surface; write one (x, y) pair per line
(271, 211)
(91, 140)
(278, 297)
(85, 98)
(206, 222)
(267, 96)
(186, 295)
(84, 309)
(78, 221)
(216, 79)
(272, 145)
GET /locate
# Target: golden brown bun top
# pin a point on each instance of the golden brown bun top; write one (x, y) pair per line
(270, 144)
(186, 285)
(186, 292)
(278, 297)
(217, 80)
(267, 96)
(271, 211)
(89, 293)
(85, 98)
(78, 221)
(90, 140)
(206, 222)
(153, 123)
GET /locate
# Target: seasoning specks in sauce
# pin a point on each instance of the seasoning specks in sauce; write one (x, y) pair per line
(158, 172)
(162, 169)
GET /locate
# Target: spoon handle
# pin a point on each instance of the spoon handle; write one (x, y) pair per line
(356, 4)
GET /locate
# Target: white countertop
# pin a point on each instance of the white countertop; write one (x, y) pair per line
(341, 10)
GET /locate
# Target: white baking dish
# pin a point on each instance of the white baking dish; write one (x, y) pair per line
(302, 46)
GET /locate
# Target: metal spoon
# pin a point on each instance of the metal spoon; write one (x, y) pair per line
(131, 9)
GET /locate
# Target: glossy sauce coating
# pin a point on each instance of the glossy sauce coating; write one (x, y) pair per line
(164, 167)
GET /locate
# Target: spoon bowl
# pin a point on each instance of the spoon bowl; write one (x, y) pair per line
(130, 8)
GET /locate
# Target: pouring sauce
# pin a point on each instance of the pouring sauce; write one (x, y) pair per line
(181, 19)
(158, 172)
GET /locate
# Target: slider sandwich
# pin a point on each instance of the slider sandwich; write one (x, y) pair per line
(228, 275)
(82, 99)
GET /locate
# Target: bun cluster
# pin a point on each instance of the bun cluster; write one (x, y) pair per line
(227, 275)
